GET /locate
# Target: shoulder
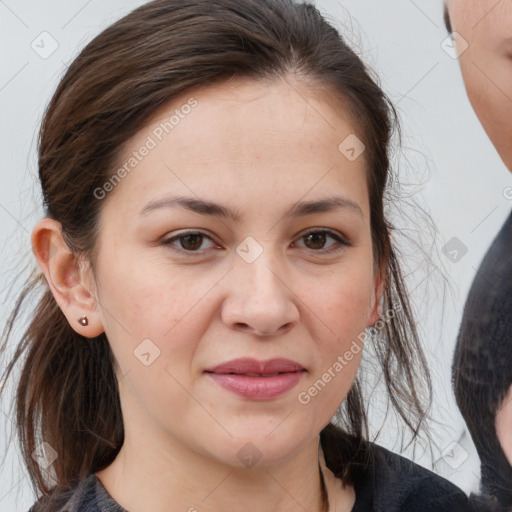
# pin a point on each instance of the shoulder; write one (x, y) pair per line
(81, 498)
(392, 483)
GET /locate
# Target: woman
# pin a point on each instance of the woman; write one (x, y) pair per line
(173, 375)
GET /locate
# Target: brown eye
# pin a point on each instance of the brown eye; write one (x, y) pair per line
(188, 242)
(316, 240)
(191, 242)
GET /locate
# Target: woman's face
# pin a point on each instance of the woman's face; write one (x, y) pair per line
(486, 64)
(175, 306)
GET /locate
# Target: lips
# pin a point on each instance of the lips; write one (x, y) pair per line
(257, 380)
(254, 368)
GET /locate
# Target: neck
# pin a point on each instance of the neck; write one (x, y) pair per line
(145, 476)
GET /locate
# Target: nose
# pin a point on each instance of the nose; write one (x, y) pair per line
(260, 301)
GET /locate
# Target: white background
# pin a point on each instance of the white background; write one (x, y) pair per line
(445, 147)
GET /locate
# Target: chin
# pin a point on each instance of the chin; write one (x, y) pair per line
(258, 450)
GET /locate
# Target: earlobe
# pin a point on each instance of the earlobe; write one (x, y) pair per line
(65, 278)
(375, 311)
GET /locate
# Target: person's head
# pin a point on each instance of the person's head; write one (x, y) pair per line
(486, 64)
(272, 140)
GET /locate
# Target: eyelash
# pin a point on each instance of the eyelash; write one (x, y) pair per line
(341, 243)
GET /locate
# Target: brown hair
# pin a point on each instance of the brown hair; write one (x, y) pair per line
(68, 392)
(446, 18)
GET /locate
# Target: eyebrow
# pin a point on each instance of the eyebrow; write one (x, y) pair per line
(203, 207)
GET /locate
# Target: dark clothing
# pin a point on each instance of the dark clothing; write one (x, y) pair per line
(392, 484)
(482, 364)
(480, 503)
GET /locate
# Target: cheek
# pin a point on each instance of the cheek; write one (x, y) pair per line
(491, 105)
(479, 90)
(347, 309)
(154, 321)
(153, 302)
(343, 305)
(341, 309)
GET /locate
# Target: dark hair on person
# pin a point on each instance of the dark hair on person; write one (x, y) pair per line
(446, 18)
(123, 77)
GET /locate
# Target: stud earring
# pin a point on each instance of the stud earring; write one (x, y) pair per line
(83, 321)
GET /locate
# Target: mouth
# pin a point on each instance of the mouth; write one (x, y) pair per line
(257, 380)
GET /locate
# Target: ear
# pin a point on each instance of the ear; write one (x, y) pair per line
(68, 279)
(375, 309)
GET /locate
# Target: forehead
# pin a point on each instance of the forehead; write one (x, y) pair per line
(247, 115)
(247, 138)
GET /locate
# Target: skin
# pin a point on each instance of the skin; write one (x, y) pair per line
(504, 425)
(258, 149)
(486, 65)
